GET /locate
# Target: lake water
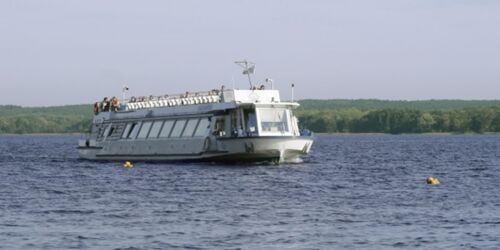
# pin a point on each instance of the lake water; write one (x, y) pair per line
(352, 191)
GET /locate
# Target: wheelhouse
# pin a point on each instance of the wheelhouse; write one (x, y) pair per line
(256, 120)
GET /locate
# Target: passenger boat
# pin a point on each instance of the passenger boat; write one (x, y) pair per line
(217, 125)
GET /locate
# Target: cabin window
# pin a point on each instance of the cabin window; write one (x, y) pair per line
(203, 127)
(155, 129)
(144, 130)
(179, 126)
(219, 128)
(165, 132)
(111, 130)
(126, 131)
(108, 131)
(251, 121)
(133, 131)
(190, 126)
(273, 120)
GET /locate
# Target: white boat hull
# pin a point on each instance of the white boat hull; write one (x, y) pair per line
(276, 148)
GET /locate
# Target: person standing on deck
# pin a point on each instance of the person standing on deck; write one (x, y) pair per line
(105, 104)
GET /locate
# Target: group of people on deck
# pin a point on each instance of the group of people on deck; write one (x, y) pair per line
(112, 104)
(106, 105)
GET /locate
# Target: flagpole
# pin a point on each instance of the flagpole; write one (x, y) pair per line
(248, 73)
(249, 80)
(125, 88)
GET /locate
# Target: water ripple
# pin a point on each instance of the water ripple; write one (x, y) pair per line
(353, 191)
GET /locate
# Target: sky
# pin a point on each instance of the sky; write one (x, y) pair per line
(72, 52)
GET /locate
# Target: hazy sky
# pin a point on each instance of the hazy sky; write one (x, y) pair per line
(69, 52)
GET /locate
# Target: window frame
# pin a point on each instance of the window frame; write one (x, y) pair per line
(184, 120)
(165, 122)
(206, 130)
(140, 132)
(159, 130)
(126, 130)
(261, 132)
(131, 135)
(197, 121)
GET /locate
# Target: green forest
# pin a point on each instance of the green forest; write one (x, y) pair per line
(61, 119)
(397, 120)
(396, 117)
(320, 116)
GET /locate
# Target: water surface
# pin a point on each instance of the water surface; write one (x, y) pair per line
(352, 191)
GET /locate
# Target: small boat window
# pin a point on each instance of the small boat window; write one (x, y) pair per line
(203, 127)
(126, 131)
(108, 131)
(144, 130)
(133, 131)
(273, 120)
(155, 129)
(165, 132)
(179, 126)
(220, 127)
(111, 130)
(190, 126)
(251, 121)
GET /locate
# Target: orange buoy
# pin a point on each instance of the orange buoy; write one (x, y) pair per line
(433, 181)
(128, 164)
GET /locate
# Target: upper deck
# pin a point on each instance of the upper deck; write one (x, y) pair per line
(195, 103)
(214, 96)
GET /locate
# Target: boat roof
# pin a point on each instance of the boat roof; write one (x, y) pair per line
(195, 103)
(234, 96)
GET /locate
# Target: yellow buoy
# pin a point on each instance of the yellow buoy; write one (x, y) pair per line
(128, 164)
(432, 180)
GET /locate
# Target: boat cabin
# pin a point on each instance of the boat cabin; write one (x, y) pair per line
(226, 114)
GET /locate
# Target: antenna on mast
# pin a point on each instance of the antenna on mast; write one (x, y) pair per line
(249, 68)
(124, 90)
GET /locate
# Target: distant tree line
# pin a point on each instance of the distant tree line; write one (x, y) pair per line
(322, 116)
(396, 121)
(29, 124)
(372, 104)
(61, 119)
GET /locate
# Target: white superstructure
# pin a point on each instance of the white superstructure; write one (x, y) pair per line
(236, 125)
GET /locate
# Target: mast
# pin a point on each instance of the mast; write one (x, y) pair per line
(249, 68)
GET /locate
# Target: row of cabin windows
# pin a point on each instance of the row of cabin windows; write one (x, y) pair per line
(165, 129)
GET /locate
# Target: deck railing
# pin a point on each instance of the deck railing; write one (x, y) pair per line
(133, 103)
